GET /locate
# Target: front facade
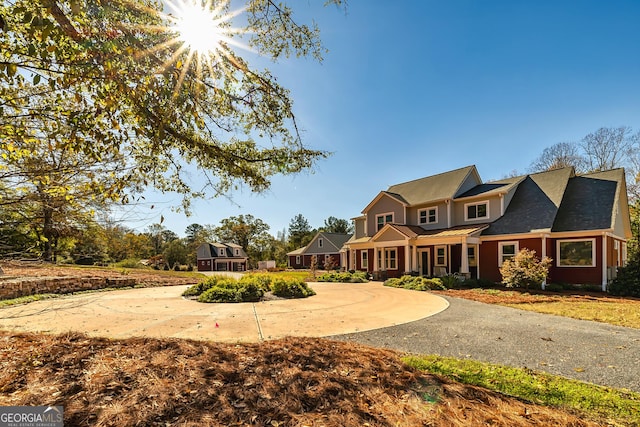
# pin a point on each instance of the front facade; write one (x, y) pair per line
(221, 257)
(454, 223)
(325, 248)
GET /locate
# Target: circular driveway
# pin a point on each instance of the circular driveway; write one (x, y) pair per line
(162, 312)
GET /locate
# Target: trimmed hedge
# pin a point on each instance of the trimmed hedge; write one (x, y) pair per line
(415, 283)
(291, 288)
(344, 277)
(250, 288)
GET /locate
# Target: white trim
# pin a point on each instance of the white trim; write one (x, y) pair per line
(435, 257)
(388, 258)
(593, 252)
(419, 265)
(501, 245)
(434, 208)
(604, 262)
(364, 256)
(466, 211)
(384, 216)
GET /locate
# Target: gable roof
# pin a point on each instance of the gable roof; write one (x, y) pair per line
(590, 201)
(431, 188)
(535, 203)
(212, 250)
(415, 231)
(335, 240)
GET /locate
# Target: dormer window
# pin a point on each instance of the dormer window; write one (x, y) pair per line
(473, 211)
(381, 220)
(428, 216)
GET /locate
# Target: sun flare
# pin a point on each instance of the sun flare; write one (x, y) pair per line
(198, 28)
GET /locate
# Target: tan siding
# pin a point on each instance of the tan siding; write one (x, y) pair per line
(385, 205)
(412, 216)
(459, 209)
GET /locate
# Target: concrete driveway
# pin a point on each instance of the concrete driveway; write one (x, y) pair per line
(162, 312)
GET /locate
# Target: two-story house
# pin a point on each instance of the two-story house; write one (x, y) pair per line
(454, 223)
(325, 247)
(221, 257)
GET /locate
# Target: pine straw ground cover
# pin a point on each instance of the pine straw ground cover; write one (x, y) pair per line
(144, 277)
(289, 382)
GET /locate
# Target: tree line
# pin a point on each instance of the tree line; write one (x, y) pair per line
(108, 242)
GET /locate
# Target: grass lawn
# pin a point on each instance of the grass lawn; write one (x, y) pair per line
(599, 307)
(596, 402)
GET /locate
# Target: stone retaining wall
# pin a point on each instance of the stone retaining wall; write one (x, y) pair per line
(19, 287)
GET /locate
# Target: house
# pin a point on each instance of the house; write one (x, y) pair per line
(325, 247)
(455, 223)
(221, 257)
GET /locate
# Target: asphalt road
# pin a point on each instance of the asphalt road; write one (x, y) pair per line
(589, 351)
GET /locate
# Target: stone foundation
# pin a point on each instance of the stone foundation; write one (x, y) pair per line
(19, 287)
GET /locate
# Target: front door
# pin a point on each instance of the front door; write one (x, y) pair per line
(424, 262)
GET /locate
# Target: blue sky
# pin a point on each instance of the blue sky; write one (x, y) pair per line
(414, 88)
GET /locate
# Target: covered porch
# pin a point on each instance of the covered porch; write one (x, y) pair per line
(397, 250)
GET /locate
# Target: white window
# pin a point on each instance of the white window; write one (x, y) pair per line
(390, 259)
(507, 250)
(576, 253)
(297, 259)
(364, 260)
(237, 252)
(473, 211)
(221, 252)
(379, 259)
(441, 256)
(428, 216)
(382, 219)
(320, 242)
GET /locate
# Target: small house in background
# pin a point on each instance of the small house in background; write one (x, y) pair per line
(326, 247)
(221, 257)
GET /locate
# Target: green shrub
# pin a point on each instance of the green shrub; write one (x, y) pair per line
(450, 281)
(627, 282)
(525, 270)
(343, 277)
(220, 294)
(250, 292)
(291, 288)
(415, 283)
(263, 281)
(198, 289)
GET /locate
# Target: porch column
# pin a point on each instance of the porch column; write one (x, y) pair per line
(604, 262)
(464, 267)
(407, 260)
(414, 258)
(375, 259)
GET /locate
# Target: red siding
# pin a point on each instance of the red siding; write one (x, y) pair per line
(576, 275)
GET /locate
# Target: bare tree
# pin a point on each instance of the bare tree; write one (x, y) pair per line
(560, 155)
(608, 148)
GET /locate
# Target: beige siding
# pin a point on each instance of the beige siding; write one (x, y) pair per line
(459, 211)
(412, 216)
(470, 182)
(385, 205)
(359, 228)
